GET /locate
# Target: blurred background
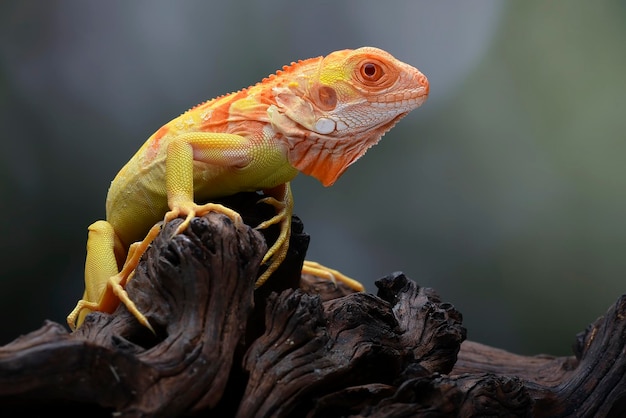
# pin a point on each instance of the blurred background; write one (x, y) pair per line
(506, 191)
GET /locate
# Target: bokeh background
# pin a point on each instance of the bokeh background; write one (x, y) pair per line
(506, 191)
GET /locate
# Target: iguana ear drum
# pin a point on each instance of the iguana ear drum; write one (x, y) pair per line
(327, 97)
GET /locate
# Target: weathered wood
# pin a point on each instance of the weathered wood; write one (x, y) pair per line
(204, 276)
(295, 347)
(590, 384)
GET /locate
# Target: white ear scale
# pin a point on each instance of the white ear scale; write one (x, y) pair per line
(324, 126)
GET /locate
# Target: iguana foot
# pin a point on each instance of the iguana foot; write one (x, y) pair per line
(191, 210)
(282, 200)
(318, 270)
(118, 291)
(114, 291)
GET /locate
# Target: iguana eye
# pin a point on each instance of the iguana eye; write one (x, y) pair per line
(371, 71)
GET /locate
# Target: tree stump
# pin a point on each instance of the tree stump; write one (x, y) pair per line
(296, 347)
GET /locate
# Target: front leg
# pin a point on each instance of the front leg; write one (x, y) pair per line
(217, 149)
(104, 282)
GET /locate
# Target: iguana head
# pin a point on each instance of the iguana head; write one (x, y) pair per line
(330, 110)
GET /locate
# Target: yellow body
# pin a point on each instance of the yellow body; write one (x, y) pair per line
(316, 116)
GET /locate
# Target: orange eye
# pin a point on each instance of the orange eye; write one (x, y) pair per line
(371, 71)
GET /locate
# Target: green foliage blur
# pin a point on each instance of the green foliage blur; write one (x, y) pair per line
(506, 191)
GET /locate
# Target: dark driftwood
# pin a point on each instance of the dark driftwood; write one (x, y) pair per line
(296, 347)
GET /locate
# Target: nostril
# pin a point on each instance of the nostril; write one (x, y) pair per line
(423, 82)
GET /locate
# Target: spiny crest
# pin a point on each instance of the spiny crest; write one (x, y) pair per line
(291, 68)
(216, 98)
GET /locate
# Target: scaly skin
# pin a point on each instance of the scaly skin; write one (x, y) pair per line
(316, 116)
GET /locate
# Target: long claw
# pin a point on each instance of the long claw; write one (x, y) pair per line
(192, 210)
(279, 217)
(120, 292)
(278, 251)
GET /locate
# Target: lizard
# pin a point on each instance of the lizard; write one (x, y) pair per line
(316, 116)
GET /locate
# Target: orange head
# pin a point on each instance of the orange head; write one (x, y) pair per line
(329, 111)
